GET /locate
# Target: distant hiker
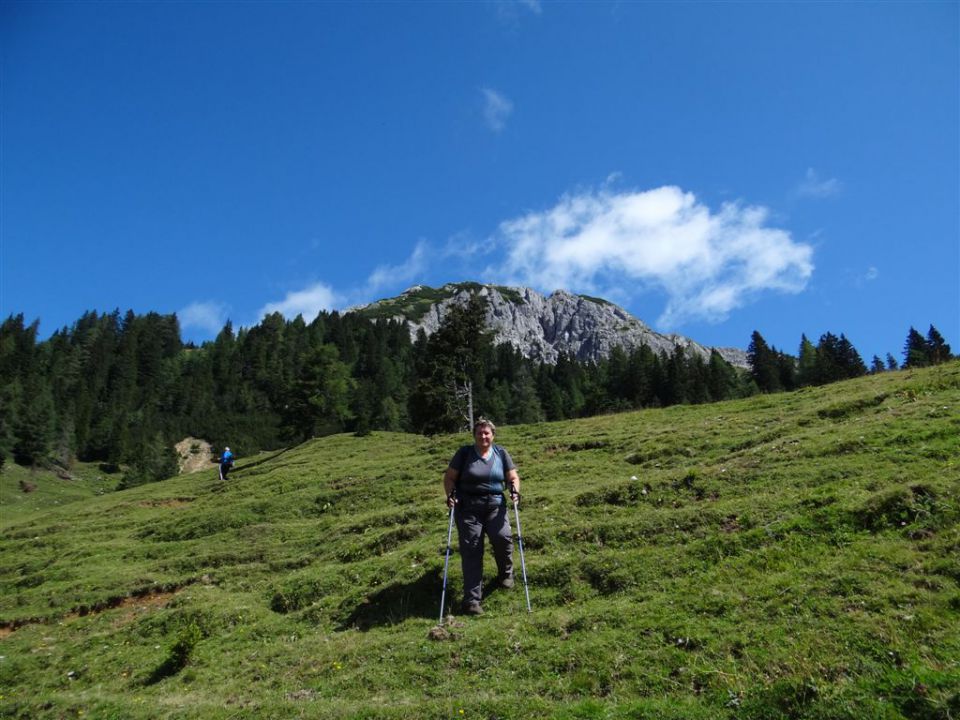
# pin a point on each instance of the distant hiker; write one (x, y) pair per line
(475, 482)
(226, 463)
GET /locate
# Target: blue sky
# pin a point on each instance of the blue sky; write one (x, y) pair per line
(715, 168)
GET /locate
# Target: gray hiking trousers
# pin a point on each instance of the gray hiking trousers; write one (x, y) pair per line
(476, 518)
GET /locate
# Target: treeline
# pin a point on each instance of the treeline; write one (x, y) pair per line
(833, 359)
(121, 389)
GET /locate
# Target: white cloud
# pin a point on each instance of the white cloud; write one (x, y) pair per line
(393, 275)
(496, 109)
(813, 186)
(866, 276)
(307, 302)
(209, 316)
(708, 263)
(532, 5)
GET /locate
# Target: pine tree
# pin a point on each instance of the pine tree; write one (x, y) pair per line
(153, 461)
(320, 402)
(849, 359)
(451, 363)
(806, 363)
(786, 371)
(11, 393)
(699, 380)
(678, 378)
(722, 380)
(829, 368)
(891, 362)
(34, 427)
(915, 351)
(525, 404)
(876, 365)
(639, 382)
(937, 349)
(764, 365)
(551, 398)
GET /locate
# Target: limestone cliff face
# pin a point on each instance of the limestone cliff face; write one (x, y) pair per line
(541, 327)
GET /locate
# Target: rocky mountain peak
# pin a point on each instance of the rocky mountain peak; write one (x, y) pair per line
(541, 327)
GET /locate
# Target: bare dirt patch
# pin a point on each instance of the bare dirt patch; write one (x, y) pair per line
(133, 607)
(193, 455)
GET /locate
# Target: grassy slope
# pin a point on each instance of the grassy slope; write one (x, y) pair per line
(49, 491)
(784, 556)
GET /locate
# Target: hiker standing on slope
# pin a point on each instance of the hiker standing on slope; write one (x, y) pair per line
(226, 462)
(475, 483)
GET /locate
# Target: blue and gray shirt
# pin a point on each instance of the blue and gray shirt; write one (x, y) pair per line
(479, 477)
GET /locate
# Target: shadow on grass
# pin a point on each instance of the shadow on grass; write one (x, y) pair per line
(401, 601)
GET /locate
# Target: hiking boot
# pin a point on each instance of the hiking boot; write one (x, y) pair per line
(472, 608)
(506, 581)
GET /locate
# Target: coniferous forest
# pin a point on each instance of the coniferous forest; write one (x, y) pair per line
(122, 389)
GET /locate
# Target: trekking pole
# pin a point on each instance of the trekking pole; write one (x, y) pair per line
(523, 564)
(446, 563)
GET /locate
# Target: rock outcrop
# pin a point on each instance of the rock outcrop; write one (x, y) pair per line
(541, 327)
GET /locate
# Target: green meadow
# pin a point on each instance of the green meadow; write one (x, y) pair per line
(784, 556)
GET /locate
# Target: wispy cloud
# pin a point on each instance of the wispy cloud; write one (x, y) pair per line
(707, 263)
(307, 302)
(207, 316)
(496, 109)
(509, 11)
(813, 185)
(394, 275)
(862, 277)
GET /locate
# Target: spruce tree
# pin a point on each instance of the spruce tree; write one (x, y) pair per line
(154, 460)
(524, 404)
(764, 364)
(34, 423)
(786, 370)
(806, 363)
(639, 381)
(915, 351)
(320, 402)
(937, 349)
(450, 365)
(551, 398)
(849, 359)
(829, 366)
(722, 381)
(10, 398)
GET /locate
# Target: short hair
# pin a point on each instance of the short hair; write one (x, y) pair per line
(481, 422)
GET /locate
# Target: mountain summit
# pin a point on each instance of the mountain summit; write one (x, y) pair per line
(541, 327)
